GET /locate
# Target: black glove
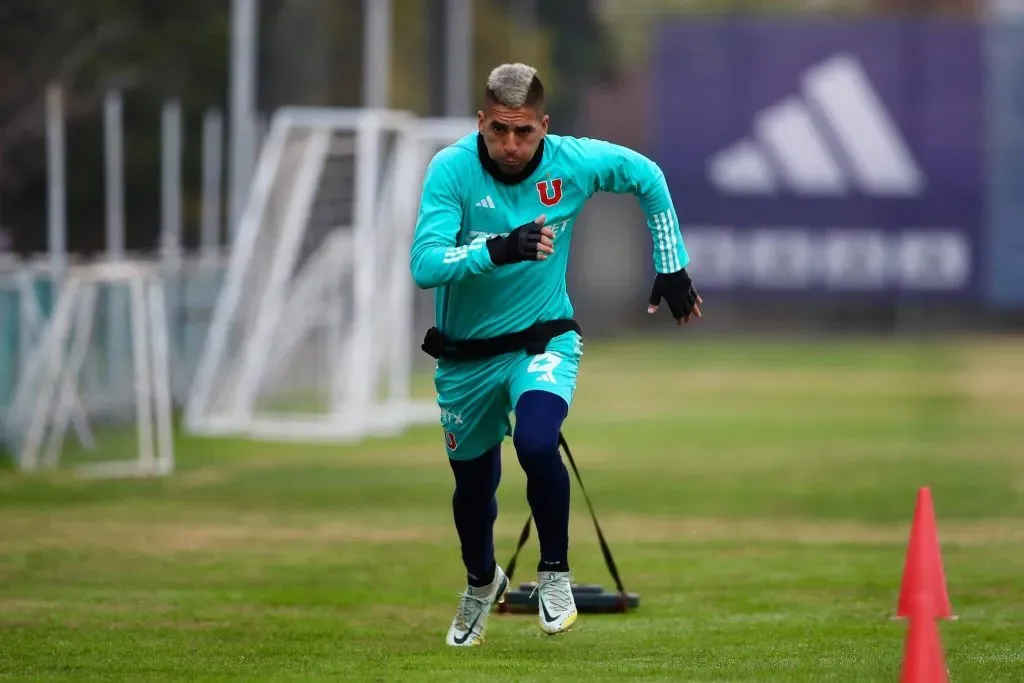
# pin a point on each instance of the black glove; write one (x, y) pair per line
(519, 245)
(677, 290)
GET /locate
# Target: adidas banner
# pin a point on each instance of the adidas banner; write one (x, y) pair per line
(810, 157)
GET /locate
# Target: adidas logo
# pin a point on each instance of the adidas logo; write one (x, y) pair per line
(836, 139)
(486, 203)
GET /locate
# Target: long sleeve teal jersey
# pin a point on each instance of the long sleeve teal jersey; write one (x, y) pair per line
(462, 206)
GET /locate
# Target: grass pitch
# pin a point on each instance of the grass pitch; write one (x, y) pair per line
(758, 497)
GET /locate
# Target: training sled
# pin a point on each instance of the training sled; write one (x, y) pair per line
(590, 598)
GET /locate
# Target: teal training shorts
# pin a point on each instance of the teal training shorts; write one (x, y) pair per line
(477, 397)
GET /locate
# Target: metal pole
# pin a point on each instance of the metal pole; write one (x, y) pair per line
(376, 53)
(213, 161)
(55, 155)
(114, 156)
(171, 181)
(116, 303)
(171, 233)
(244, 31)
(458, 57)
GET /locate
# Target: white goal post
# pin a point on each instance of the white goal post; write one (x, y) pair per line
(312, 337)
(71, 380)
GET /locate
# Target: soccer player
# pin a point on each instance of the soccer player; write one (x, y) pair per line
(496, 215)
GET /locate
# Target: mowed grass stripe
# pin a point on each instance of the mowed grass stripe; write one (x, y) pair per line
(761, 510)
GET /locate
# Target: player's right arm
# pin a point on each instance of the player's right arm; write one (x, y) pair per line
(436, 258)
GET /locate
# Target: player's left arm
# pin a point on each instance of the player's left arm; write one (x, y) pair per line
(615, 168)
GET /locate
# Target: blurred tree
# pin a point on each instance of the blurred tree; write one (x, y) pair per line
(496, 40)
(310, 52)
(580, 48)
(313, 51)
(314, 54)
(149, 49)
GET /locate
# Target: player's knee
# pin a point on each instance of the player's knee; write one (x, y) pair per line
(477, 479)
(535, 441)
(539, 417)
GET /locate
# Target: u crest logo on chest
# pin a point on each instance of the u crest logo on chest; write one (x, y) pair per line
(550, 191)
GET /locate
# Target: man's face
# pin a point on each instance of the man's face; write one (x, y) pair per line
(512, 135)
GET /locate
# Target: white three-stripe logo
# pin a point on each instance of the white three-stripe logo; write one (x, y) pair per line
(666, 241)
(486, 202)
(836, 139)
(456, 254)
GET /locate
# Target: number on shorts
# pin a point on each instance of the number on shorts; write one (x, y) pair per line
(544, 364)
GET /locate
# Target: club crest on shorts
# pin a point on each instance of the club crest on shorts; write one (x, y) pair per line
(550, 191)
(449, 440)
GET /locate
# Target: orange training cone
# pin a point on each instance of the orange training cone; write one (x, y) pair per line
(923, 659)
(923, 592)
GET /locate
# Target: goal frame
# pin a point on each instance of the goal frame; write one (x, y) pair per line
(379, 339)
(48, 398)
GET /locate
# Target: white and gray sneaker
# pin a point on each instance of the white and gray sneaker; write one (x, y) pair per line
(475, 605)
(556, 608)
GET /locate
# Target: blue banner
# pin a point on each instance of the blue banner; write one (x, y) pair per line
(825, 157)
(1005, 239)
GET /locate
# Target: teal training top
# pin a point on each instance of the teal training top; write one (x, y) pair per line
(462, 205)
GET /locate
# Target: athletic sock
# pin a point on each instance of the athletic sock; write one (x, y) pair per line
(475, 508)
(539, 417)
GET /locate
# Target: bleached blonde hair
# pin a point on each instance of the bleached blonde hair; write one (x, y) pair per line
(515, 85)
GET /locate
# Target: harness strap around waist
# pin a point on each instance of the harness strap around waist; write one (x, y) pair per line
(533, 340)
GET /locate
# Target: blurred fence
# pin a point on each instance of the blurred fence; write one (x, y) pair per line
(858, 166)
(28, 294)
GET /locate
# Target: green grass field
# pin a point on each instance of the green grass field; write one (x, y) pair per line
(757, 497)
